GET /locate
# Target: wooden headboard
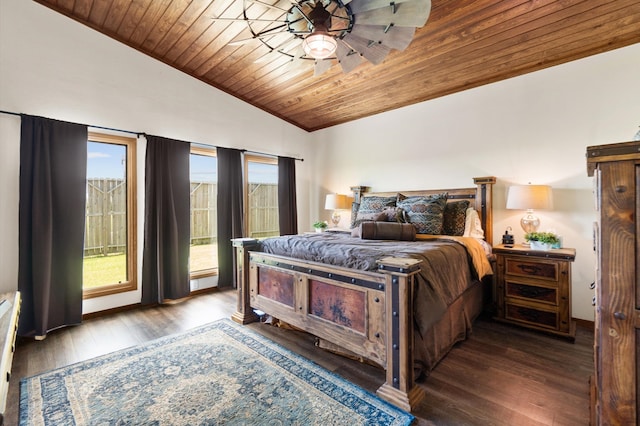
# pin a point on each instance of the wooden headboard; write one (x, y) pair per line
(481, 197)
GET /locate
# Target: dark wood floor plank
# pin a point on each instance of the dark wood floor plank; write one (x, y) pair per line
(502, 375)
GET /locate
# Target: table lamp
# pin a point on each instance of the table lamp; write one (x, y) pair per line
(529, 197)
(336, 202)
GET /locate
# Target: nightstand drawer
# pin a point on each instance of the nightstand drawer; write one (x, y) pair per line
(530, 315)
(532, 268)
(532, 292)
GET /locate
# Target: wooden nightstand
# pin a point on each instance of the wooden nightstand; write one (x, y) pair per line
(533, 288)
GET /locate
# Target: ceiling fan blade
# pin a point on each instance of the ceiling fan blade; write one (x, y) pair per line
(372, 52)
(412, 13)
(322, 66)
(269, 31)
(299, 26)
(296, 51)
(281, 49)
(397, 38)
(347, 57)
(265, 37)
(298, 19)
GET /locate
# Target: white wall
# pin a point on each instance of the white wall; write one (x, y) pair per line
(534, 128)
(54, 67)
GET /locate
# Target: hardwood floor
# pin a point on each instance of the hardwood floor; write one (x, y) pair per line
(501, 375)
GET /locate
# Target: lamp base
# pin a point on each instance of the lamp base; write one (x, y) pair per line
(335, 218)
(530, 222)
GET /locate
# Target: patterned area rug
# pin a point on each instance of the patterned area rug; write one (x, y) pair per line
(221, 373)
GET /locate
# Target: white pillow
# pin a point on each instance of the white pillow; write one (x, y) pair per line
(472, 225)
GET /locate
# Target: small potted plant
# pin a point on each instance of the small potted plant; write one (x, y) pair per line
(320, 226)
(542, 240)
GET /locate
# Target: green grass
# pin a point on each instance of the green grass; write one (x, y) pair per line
(103, 270)
(112, 269)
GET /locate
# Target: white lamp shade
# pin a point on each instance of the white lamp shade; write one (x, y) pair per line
(319, 45)
(524, 197)
(336, 202)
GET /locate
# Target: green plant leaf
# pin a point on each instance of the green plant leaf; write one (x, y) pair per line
(543, 237)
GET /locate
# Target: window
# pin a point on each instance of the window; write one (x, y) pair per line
(203, 254)
(261, 196)
(109, 264)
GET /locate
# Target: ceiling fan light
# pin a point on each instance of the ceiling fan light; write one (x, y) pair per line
(319, 45)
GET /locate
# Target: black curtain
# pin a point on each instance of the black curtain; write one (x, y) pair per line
(230, 211)
(53, 179)
(287, 210)
(165, 263)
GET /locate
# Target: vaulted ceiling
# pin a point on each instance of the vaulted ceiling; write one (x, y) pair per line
(464, 44)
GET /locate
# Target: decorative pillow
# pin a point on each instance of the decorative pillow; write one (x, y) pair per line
(387, 231)
(393, 214)
(454, 219)
(473, 226)
(373, 204)
(425, 212)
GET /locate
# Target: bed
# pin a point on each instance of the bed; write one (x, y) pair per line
(399, 303)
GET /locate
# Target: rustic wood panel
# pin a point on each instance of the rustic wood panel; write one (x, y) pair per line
(463, 45)
(276, 285)
(340, 305)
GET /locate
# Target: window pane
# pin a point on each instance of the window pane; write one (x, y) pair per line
(204, 232)
(105, 243)
(262, 188)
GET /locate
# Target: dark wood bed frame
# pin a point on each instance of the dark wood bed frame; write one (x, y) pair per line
(381, 326)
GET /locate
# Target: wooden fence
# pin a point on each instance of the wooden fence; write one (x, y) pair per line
(106, 224)
(204, 222)
(263, 210)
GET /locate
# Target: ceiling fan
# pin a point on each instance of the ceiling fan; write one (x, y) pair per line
(326, 31)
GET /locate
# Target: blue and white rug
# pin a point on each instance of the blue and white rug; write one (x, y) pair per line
(221, 373)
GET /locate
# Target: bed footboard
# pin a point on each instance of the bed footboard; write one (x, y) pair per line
(367, 313)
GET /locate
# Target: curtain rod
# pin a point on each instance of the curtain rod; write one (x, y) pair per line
(82, 124)
(271, 155)
(145, 134)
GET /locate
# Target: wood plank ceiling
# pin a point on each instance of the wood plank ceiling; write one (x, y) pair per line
(464, 44)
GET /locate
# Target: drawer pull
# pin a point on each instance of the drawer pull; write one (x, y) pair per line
(619, 315)
(529, 269)
(533, 292)
(592, 285)
(593, 301)
(8, 376)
